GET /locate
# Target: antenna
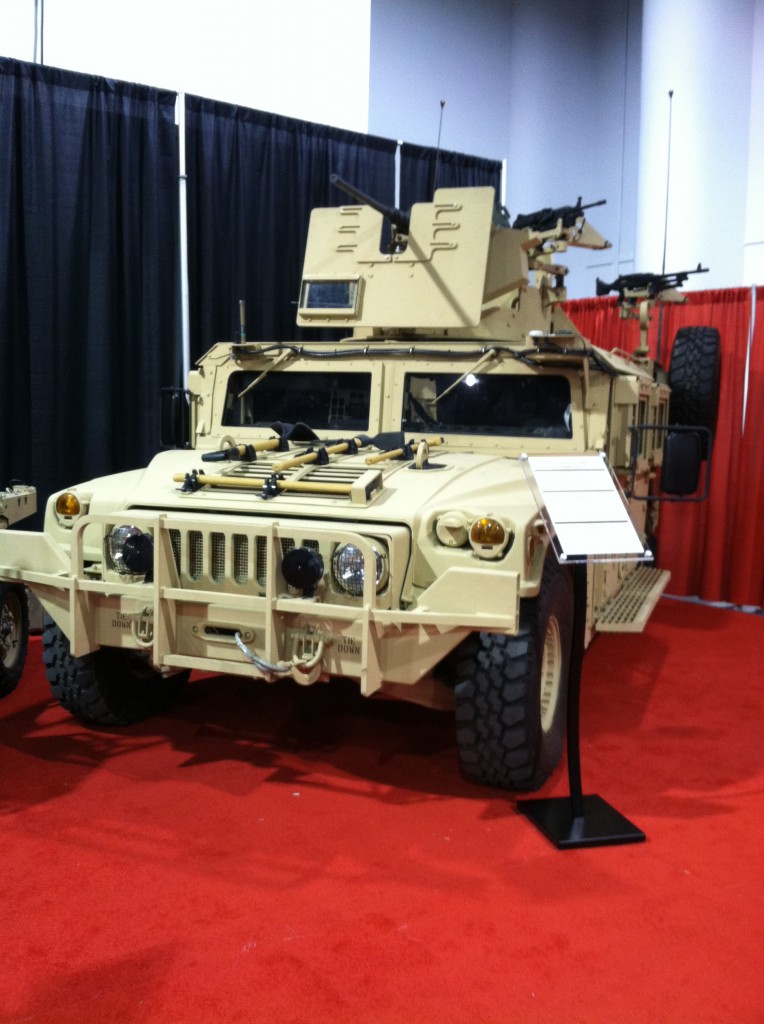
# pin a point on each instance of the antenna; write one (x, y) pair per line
(668, 179)
(665, 225)
(437, 149)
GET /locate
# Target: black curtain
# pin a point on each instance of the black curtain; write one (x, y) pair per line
(88, 273)
(253, 179)
(89, 251)
(423, 169)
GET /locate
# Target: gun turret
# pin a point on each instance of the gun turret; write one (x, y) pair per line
(399, 220)
(649, 285)
(548, 218)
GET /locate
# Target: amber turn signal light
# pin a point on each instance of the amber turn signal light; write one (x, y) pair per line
(68, 504)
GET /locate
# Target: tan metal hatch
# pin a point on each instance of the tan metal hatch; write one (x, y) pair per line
(438, 280)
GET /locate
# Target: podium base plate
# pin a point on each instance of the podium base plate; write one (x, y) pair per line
(598, 825)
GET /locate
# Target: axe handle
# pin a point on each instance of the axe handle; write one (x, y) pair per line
(370, 460)
(246, 483)
(300, 460)
(394, 453)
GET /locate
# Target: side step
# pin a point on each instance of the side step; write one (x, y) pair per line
(628, 610)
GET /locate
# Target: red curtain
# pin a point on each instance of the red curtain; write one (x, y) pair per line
(714, 549)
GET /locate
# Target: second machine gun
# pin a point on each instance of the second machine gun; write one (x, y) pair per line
(638, 293)
(549, 217)
(639, 286)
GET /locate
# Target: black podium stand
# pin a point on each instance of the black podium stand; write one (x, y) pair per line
(578, 820)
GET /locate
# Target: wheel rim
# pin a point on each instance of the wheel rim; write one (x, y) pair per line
(10, 629)
(551, 673)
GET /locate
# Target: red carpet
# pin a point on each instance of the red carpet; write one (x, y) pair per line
(277, 854)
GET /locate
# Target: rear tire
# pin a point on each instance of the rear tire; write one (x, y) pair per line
(14, 632)
(511, 691)
(111, 686)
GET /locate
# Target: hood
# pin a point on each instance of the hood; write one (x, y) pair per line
(346, 487)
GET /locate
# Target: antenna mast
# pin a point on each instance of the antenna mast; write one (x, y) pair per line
(437, 149)
(665, 227)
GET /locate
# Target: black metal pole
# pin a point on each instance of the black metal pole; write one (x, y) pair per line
(574, 688)
(578, 820)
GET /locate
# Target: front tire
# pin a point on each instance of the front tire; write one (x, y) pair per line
(14, 632)
(111, 686)
(511, 691)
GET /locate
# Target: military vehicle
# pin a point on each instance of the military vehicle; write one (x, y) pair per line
(358, 508)
(16, 502)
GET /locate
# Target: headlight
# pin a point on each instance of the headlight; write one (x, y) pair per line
(490, 538)
(451, 529)
(348, 569)
(302, 568)
(130, 551)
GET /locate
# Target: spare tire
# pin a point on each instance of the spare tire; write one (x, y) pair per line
(694, 374)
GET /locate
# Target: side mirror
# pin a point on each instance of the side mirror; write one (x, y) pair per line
(175, 418)
(682, 456)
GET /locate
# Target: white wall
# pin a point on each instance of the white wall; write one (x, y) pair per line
(702, 50)
(572, 93)
(425, 51)
(301, 58)
(753, 256)
(552, 87)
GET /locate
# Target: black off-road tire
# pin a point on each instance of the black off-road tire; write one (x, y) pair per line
(511, 691)
(109, 687)
(694, 376)
(14, 634)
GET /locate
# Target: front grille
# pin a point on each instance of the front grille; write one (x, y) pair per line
(240, 557)
(262, 560)
(195, 555)
(217, 558)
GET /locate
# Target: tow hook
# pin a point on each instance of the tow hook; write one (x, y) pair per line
(142, 627)
(302, 670)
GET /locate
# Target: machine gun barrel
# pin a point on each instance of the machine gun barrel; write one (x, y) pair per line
(397, 218)
(547, 218)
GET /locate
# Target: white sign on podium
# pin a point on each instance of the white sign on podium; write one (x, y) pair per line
(584, 508)
(587, 517)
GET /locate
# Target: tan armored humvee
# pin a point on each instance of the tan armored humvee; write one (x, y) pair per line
(358, 508)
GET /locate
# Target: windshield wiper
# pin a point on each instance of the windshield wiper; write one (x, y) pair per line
(485, 358)
(280, 360)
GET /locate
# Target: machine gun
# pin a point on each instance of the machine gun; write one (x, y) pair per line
(548, 218)
(399, 221)
(638, 293)
(646, 285)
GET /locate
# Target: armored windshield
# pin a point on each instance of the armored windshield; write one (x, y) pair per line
(505, 405)
(326, 401)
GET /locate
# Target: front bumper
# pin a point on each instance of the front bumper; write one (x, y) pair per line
(218, 577)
